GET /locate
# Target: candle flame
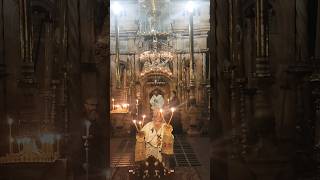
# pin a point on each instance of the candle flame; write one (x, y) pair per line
(173, 109)
(144, 116)
(134, 121)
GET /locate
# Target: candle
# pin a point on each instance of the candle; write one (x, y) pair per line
(112, 104)
(88, 124)
(172, 111)
(135, 124)
(161, 112)
(143, 117)
(137, 107)
(140, 124)
(168, 101)
(10, 122)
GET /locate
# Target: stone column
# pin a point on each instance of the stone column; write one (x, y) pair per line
(45, 84)
(191, 60)
(2, 64)
(117, 53)
(222, 121)
(26, 44)
(317, 50)
(10, 40)
(301, 30)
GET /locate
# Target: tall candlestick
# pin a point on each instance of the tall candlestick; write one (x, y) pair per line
(19, 144)
(88, 124)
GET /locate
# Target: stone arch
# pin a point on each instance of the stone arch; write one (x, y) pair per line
(147, 89)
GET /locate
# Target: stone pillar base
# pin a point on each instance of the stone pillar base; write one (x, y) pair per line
(194, 121)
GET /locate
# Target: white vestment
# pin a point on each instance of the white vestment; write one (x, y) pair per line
(156, 102)
(153, 140)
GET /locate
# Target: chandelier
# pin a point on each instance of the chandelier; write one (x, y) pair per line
(157, 62)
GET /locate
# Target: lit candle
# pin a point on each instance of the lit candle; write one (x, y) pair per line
(161, 112)
(137, 101)
(140, 124)
(168, 101)
(135, 124)
(112, 104)
(172, 111)
(143, 117)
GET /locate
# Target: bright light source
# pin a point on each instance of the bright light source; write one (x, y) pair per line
(190, 7)
(116, 8)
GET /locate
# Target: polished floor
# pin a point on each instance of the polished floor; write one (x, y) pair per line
(191, 156)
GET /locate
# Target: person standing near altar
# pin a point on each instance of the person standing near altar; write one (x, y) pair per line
(154, 132)
(156, 101)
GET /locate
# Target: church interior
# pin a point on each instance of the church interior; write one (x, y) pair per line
(159, 89)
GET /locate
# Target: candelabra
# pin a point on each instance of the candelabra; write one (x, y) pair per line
(139, 124)
(28, 151)
(119, 108)
(86, 147)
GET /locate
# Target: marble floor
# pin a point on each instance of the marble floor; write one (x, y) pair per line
(122, 149)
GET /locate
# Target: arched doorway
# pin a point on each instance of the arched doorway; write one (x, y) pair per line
(152, 82)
